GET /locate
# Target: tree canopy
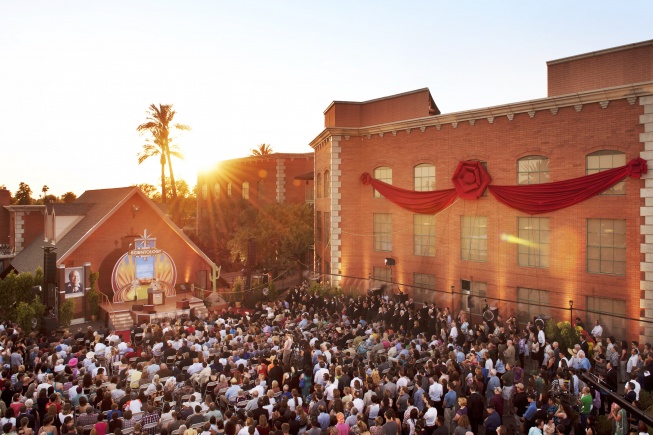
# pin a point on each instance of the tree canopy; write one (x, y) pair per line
(159, 125)
(283, 233)
(261, 150)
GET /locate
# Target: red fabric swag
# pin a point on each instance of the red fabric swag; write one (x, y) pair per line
(548, 197)
(470, 179)
(430, 202)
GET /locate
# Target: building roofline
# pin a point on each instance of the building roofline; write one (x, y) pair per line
(166, 219)
(18, 207)
(388, 97)
(529, 106)
(601, 52)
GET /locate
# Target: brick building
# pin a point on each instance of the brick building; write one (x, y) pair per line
(257, 180)
(598, 253)
(94, 234)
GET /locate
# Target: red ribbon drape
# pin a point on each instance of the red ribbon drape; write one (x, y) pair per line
(531, 199)
(430, 202)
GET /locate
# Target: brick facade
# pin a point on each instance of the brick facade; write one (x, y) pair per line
(278, 177)
(563, 129)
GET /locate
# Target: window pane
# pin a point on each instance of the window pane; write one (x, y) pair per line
(533, 170)
(604, 160)
(606, 241)
(382, 173)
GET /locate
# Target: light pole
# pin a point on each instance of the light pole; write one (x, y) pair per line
(452, 289)
(571, 312)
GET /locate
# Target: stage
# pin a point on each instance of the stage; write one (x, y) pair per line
(123, 315)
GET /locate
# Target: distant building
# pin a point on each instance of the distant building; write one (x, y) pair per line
(259, 180)
(598, 253)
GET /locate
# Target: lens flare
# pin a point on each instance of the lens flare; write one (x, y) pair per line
(514, 239)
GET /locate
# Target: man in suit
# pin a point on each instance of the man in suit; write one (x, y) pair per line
(74, 284)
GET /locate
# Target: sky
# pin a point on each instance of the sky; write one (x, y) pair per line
(77, 77)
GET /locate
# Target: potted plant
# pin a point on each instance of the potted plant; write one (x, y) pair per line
(94, 296)
(66, 312)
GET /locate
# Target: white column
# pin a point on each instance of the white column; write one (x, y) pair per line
(646, 212)
(334, 208)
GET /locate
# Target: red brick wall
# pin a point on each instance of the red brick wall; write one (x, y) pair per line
(33, 226)
(109, 242)
(5, 229)
(565, 138)
(296, 189)
(390, 109)
(615, 68)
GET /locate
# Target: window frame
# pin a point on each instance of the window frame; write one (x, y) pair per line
(381, 174)
(539, 173)
(605, 237)
(318, 185)
(428, 179)
(423, 285)
(327, 184)
(534, 255)
(245, 190)
(612, 326)
(618, 189)
(541, 304)
(475, 237)
(382, 232)
(421, 249)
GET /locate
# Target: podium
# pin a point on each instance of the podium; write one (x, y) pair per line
(155, 297)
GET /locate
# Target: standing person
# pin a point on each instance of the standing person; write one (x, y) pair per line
(541, 340)
(585, 406)
(287, 350)
(492, 421)
(475, 408)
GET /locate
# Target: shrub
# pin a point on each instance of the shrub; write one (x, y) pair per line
(272, 293)
(94, 295)
(24, 315)
(66, 312)
(238, 290)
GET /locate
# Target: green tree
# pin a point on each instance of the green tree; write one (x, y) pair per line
(68, 197)
(44, 190)
(23, 195)
(149, 190)
(159, 123)
(262, 150)
(16, 288)
(282, 232)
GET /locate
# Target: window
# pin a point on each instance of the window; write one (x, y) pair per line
(327, 184)
(473, 238)
(383, 232)
(474, 293)
(423, 287)
(424, 235)
(381, 276)
(318, 226)
(606, 246)
(327, 227)
(531, 303)
(533, 170)
(424, 177)
(205, 191)
(260, 190)
(606, 159)
(245, 190)
(382, 173)
(216, 190)
(603, 309)
(533, 248)
(318, 185)
(228, 190)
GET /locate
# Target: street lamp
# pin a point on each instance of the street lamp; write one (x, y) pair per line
(452, 289)
(571, 311)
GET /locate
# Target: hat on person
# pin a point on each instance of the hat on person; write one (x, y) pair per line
(73, 362)
(572, 351)
(90, 355)
(58, 348)
(339, 329)
(535, 373)
(233, 380)
(520, 386)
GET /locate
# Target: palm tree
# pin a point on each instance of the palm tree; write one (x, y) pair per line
(262, 150)
(159, 123)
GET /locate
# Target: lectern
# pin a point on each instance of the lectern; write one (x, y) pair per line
(155, 297)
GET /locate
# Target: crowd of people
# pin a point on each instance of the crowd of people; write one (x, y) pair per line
(341, 365)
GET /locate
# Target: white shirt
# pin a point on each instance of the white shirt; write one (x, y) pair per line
(541, 338)
(597, 331)
(329, 390)
(99, 349)
(359, 404)
(632, 363)
(435, 392)
(430, 416)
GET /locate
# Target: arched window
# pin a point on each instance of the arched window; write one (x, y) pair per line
(228, 190)
(533, 170)
(205, 191)
(382, 173)
(245, 190)
(424, 177)
(318, 185)
(216, 190)
(603, 160)
(327, 184)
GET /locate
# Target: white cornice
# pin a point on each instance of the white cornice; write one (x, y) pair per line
(553, 104)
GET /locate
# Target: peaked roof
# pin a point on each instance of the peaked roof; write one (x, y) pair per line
(96, 206)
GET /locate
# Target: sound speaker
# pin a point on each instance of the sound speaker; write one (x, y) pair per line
(49, 266)
(251, 253)
(48, 324)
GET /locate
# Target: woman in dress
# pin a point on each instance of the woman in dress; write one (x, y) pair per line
(48, 427)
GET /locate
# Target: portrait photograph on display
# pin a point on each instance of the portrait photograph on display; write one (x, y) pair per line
(74, 284)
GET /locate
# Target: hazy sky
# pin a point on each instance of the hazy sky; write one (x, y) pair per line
(76, 77)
